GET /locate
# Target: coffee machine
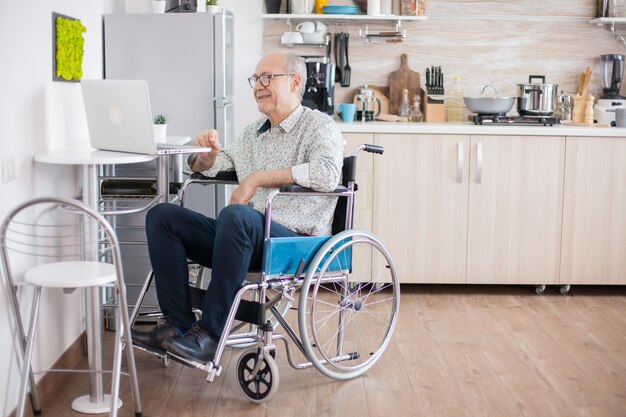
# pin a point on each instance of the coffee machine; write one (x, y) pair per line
(319, 90)
(612, 73)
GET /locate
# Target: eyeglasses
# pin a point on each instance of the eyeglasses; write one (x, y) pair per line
(264, 79)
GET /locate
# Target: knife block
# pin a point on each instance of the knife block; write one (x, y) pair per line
(433, 112)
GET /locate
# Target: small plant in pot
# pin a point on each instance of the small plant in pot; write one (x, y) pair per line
(159, 128)
(211, 6)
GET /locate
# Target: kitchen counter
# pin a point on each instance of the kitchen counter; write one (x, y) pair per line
(472, 129)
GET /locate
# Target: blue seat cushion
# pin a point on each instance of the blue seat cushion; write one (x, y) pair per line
(282, 255)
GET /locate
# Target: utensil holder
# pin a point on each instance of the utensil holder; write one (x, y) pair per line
(434, 113)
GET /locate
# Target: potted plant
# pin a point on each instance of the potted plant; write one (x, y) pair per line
(159, 128)
(211, 6)
(158, 6)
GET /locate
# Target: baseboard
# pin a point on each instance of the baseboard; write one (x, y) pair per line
(70, 359)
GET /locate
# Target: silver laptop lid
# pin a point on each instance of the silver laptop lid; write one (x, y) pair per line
(118, 115)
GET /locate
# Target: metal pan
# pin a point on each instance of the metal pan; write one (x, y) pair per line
(489, 105)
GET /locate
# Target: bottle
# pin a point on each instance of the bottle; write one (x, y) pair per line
(455, 105)
(416, 114)
(319, 6)
(404, 110)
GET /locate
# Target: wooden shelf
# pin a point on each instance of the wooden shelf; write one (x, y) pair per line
(343, 17)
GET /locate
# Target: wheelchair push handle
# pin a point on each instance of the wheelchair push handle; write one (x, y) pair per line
(369, 148)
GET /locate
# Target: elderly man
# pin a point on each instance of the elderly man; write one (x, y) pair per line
(290, 144)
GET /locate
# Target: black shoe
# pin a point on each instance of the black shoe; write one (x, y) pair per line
(154, 338)
(196, 344)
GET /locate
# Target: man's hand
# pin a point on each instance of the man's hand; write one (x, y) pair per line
(205, 160)
(244, 191)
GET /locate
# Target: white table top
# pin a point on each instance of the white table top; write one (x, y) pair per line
(83, 154)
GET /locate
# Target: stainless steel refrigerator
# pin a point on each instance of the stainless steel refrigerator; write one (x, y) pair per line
(187, 60)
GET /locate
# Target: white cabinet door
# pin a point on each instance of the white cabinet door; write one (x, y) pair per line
(594, 212)
(420, 204)
(515, 207)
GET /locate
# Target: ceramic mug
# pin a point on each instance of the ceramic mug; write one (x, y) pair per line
(347, 111)
(306, 27)
(320, 27)
(290, 38)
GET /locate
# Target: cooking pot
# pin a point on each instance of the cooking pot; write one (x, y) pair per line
(537, 99)
(489, 105)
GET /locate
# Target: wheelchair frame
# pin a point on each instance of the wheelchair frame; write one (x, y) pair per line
(322, 271)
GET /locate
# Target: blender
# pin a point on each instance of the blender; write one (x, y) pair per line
(612, 72)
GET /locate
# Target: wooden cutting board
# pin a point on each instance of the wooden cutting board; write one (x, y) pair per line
(400, 79)
(379, 92)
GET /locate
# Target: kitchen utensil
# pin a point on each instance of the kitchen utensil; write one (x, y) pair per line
(346, 70)
(400, 79)
(489, 105)
(612, 71)
(537, 99)
(363, 5)
(306, 27)
(338, 68)
(347, 112)
(291, 38)
(342, 55)
(341, 9)
(302, 6)
(315, 37)
(365, 104)
(380, 94)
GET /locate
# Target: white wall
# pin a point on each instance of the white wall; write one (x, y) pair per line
(37, 113)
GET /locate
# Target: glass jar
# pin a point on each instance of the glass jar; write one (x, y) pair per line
(416, 115)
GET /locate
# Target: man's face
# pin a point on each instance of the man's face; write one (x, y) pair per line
(277, 94)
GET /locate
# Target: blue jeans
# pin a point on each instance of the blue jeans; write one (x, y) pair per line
(230, 246)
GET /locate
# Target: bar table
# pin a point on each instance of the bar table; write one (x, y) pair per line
(91, 159)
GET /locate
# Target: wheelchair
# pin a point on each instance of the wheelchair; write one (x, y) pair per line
(347, 306)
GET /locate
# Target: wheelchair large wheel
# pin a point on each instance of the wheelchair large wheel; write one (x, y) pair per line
(346, 319)
(262, 387)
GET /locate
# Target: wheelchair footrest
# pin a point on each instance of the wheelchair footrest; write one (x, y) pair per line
(251, 312)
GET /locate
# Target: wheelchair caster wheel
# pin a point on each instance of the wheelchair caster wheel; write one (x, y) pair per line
(261, 387)
(540, 289)
(564, 289)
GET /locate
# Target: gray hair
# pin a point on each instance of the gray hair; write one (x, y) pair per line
(294, 64)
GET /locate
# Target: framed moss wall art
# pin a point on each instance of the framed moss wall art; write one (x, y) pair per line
(67, 49)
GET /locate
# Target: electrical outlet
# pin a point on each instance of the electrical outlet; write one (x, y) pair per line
(8, 168)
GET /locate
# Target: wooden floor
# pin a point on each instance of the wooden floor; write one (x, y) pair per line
(457, 351)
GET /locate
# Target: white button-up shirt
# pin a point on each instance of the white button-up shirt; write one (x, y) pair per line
(307, 141)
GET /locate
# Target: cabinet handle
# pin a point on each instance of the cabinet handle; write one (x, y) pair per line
(479, 162)
(459, 162)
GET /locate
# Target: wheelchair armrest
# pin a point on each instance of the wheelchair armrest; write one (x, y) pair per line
(224, 177)
(295, 188)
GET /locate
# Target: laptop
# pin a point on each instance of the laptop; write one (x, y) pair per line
(119, 118)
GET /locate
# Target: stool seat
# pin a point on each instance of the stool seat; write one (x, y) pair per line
(73, 274)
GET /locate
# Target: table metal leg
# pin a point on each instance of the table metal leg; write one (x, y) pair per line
(163, 180)
(96, 402)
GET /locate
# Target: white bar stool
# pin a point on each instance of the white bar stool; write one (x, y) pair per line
(50, 236)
